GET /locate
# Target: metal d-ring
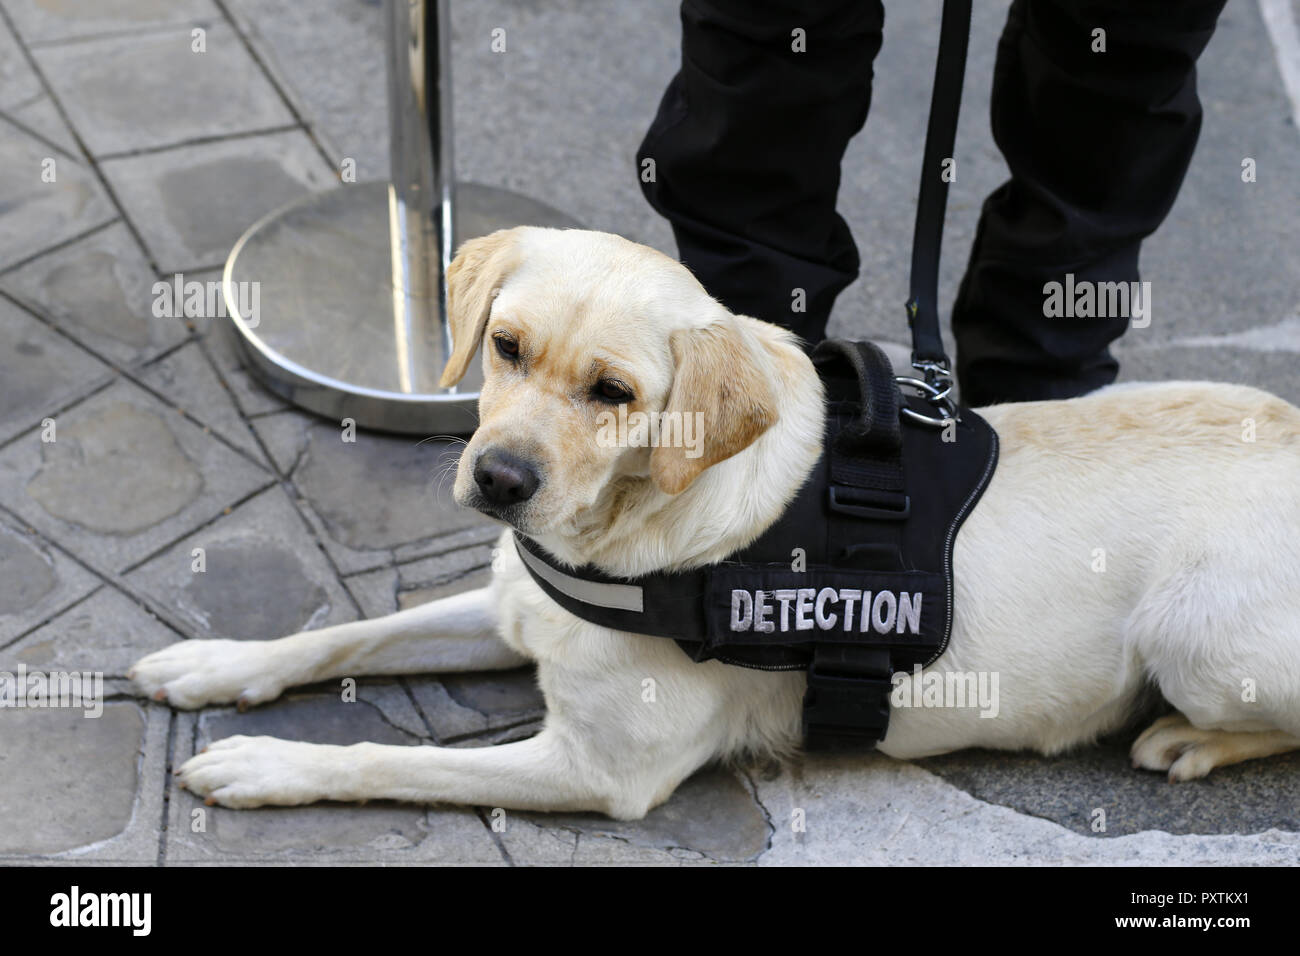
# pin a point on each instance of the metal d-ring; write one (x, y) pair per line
(935, 389)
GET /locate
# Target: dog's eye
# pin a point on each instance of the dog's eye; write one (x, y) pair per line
(612, 391)
(508, 347)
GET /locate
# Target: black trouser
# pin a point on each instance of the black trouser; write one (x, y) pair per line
(747, 145)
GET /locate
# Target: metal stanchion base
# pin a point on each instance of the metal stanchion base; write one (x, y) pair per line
(324, 335)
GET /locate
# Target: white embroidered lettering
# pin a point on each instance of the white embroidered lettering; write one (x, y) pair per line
(802, 608)
(742, 610)
(825, 621)
(886, 600)
(909, 613)
(785, 596)
(762, 624)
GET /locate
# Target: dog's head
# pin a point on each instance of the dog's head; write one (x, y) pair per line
(586, 337)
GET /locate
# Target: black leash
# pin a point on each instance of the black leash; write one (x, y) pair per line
(928, 355)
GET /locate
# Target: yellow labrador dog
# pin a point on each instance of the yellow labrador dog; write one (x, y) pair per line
(1192, 490)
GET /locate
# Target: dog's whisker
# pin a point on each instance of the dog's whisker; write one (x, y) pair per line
(454, 439)
(442, 473)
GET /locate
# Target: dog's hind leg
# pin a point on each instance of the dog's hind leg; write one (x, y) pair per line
(1173, 745)
(456, 633)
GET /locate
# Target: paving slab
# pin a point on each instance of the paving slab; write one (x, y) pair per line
(99, 290)
(252, 398)
(188, 381)
(329, 59)
(503, 735)
(291, 435)
(441, 575)
(36, 214)
(380, 497)
(467, 705)
(479, 532)
(125, 477)
(41, 372)
(146, 91)
(283, 432)
(42, 119)
(374, 591)
(264, 576)
(379, 832)
(390, 589)
(107, 633)
(19, 84)
(192, 203)
(85, 789)
(42, 21)
(37, 581)
(24, 99)
(711, 818)
(455, 706)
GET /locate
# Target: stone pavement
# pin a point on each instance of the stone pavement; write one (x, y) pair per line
(164, 445)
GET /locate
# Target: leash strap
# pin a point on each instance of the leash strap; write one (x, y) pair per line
(940, 139)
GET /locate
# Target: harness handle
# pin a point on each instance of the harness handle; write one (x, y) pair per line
(876, 430)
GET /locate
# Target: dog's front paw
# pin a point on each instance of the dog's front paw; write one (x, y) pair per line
(192, 674)
(243, 772)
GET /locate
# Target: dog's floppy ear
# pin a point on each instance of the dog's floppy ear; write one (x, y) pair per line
(718, 374)
(473, 280)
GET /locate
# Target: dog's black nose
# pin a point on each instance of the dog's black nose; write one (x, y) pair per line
(504, 479)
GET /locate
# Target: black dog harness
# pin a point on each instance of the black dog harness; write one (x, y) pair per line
(854, 582)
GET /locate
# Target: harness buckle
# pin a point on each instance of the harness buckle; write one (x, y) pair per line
(886, 506)
(936, 388)
(846, 706)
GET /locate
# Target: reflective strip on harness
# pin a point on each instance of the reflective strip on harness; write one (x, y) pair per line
(620, 597)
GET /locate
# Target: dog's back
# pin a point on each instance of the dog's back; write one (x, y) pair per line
(1143, 533)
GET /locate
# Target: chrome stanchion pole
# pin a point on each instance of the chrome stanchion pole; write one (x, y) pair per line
(352, 318)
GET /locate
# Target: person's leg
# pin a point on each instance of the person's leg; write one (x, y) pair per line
(743, 157)
(1098, 144)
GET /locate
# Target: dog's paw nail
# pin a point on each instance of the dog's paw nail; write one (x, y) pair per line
(242, 704)
(211, 802)
(130, 675)
(204, 750)
(160, 694)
